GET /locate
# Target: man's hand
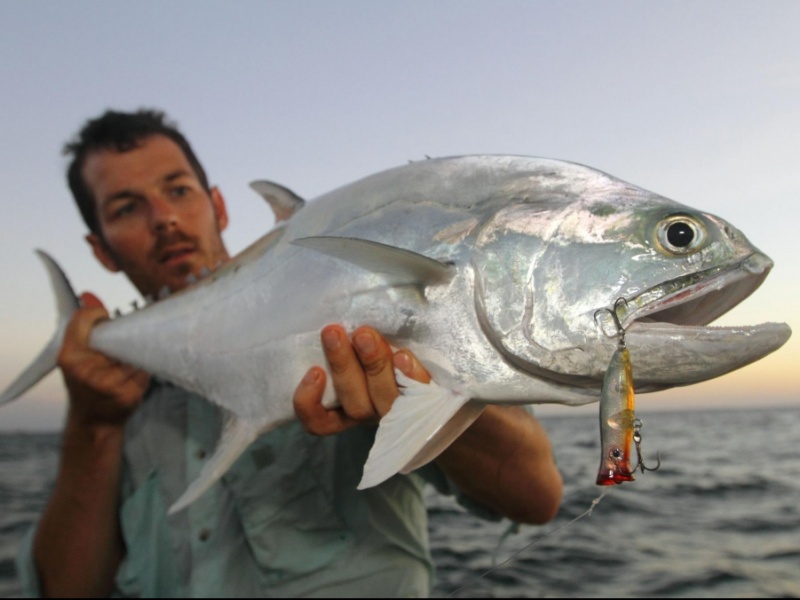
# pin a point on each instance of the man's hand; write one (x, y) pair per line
(503, 460)
(102, 391)
(363, 378)
(78, 545)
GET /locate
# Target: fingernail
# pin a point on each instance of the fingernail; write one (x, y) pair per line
(330, 339)
(311, 377)
(365, 344)
(403, 362)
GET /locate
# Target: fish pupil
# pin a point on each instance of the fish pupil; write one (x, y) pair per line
(680, 234)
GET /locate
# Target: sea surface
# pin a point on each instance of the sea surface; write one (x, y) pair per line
(720, 518)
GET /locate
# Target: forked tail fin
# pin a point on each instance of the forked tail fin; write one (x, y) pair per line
(66, 304)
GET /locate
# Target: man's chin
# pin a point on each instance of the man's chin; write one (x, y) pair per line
(170, 279)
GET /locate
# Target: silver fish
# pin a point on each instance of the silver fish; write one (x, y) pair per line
(489, 268)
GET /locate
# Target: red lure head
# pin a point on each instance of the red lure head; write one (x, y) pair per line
(616, 468)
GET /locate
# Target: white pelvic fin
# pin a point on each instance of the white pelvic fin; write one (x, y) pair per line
(398, 265)
(283, 201)
(66, 304)
(465, 417)
(237, 435)
(416, 429)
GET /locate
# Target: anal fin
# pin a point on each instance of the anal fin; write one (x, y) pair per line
(237, 435)
(423, 421)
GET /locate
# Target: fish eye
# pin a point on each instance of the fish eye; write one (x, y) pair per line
(615, 453)
(681, 234)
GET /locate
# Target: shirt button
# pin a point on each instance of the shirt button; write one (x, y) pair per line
(204, 535)
(200, 454)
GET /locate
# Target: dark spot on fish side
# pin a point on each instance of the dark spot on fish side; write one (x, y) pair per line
(603, 210)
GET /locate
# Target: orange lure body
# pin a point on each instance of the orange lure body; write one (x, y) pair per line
(616, 421)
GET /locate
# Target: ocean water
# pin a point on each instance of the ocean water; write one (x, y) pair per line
(28, 464)
(720, 518)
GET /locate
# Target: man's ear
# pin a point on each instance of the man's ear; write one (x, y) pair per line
(102, 253)
(220, 210)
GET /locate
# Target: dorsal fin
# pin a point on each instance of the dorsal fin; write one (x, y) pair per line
(284, 202)
(399, 266)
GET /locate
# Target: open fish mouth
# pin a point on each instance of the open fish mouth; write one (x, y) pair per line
(667, 325)
(699, 298)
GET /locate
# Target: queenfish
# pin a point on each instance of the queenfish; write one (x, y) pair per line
(489, 268)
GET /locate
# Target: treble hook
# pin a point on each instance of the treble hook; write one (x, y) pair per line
(614, 312)
(637, 439)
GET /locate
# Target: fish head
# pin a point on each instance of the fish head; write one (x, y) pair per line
(546, 270)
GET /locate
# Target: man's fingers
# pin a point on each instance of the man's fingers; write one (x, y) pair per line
(408, 365)
(85, 318)
(363, 377)
(349, 378)
(307, 402)
(89, 300)
(375, 355)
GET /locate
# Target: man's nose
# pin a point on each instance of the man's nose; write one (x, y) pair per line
(162, 213)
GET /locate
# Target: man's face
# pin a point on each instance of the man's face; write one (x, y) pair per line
(158, 223)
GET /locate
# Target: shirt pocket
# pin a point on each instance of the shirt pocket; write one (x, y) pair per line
(148, 568)
(284, 491)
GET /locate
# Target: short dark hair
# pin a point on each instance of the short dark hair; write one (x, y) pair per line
(118, 131)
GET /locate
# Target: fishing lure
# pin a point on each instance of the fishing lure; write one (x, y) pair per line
(619, 426)
(618, 423)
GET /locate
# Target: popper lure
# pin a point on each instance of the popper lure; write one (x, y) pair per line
(618, 423)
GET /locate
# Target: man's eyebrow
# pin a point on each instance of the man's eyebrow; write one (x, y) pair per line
(177, 174)
(127, 194)
(120, 195)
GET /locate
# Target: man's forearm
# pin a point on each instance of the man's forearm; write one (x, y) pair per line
(505, 462)
(78, 545)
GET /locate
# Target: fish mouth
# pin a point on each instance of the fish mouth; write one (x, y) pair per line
(667, 326)
(699, 298)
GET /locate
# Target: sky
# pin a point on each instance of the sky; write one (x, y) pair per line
(697, 101)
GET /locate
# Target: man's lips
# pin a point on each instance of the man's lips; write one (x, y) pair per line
(176, 255)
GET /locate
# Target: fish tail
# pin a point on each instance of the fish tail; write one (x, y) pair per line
(66, 304)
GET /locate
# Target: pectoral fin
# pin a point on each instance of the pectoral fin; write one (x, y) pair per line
(424, 420)
(465, 417)
(397, 265)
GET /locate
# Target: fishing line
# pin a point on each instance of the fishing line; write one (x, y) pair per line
(538, 538)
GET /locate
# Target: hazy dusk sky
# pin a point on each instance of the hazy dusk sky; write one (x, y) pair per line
(698, 101)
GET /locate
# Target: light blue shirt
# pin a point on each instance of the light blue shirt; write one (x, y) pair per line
(285, 520)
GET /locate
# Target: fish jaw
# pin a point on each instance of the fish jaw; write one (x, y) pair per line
(668, 332)
(544, 272)
(673, 355)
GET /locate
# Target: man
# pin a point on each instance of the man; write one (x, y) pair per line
(286, 519)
